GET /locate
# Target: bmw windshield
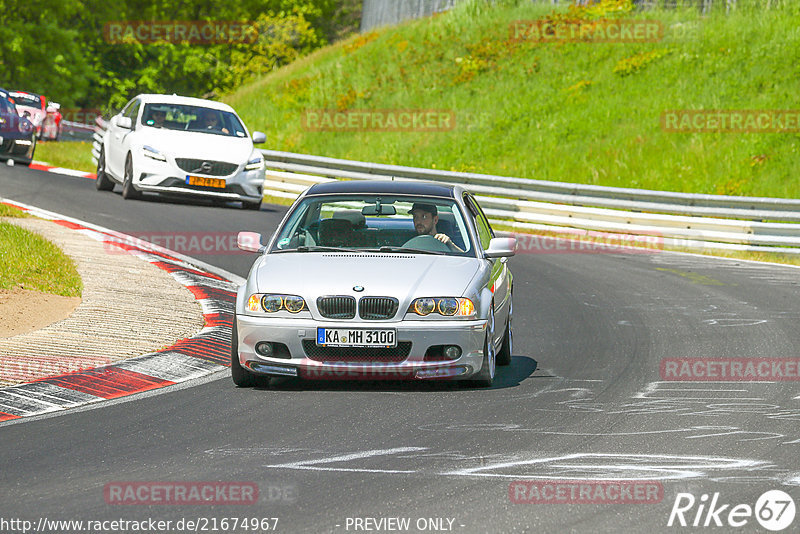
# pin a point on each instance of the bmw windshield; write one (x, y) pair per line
(369, 223)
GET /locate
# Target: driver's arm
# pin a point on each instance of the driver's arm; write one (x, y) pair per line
(444, 238)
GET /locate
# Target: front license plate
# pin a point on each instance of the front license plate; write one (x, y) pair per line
(356, 337)
(205, 182)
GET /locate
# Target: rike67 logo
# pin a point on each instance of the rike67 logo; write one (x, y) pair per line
(774, 510)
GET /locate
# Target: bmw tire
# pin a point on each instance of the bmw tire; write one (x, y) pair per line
(485, 377)
(504, 354)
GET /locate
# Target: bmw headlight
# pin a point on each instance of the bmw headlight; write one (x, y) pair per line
(254, 164)
(446, 306)
(152, 153)
(273, 303)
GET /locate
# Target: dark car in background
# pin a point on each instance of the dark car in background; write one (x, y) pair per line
(17, 133)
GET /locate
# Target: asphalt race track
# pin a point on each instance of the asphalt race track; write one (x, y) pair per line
(583, 400)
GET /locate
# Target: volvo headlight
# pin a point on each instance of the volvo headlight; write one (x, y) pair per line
(446, 306)
(254, 164)
(152, 153)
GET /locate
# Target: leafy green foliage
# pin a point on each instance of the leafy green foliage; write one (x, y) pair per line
(59, 48)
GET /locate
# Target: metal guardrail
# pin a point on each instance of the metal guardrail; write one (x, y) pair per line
(76, 130)
(682, 219)
(685, 220)
(97, 137)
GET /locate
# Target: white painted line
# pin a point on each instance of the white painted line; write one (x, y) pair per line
(23, 404)
(627, 471)
(172, 366)
(69, 172)
(64, 397)
(345, 469)
(311, 464)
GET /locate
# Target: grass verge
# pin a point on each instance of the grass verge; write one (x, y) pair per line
(11, 211)
(67, 154)
(27, 258)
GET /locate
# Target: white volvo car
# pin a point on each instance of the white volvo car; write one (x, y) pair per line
(182, 146)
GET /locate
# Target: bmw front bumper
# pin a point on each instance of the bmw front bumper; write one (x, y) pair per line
(303, 358)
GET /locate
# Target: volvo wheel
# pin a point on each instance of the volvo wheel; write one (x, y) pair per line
(128, 190)
(103, 182)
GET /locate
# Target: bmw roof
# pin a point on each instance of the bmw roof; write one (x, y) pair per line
(387, 187)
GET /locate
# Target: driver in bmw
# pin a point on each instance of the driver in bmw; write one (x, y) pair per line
(425, 218)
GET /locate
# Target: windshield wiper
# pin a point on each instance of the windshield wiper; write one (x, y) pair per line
(304, 248)
(409, 250)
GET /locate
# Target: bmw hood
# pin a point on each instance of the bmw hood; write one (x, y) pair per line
(196, 145)
(403, 276)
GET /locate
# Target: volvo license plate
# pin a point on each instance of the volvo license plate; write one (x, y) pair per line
(205, 182)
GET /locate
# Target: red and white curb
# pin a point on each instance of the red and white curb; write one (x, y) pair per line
(206, 352)
(40, 166)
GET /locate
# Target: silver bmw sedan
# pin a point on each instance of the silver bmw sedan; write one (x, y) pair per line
(376, 280)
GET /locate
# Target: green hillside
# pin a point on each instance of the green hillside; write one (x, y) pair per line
(585, 112)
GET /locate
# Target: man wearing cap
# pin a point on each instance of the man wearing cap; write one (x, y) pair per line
(425, 218)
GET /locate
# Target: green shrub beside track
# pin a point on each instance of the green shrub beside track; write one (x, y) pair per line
(29, 259)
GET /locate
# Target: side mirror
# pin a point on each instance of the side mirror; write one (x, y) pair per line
(259, 138)
(125, 122)
(501, 247)
(250, 242)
